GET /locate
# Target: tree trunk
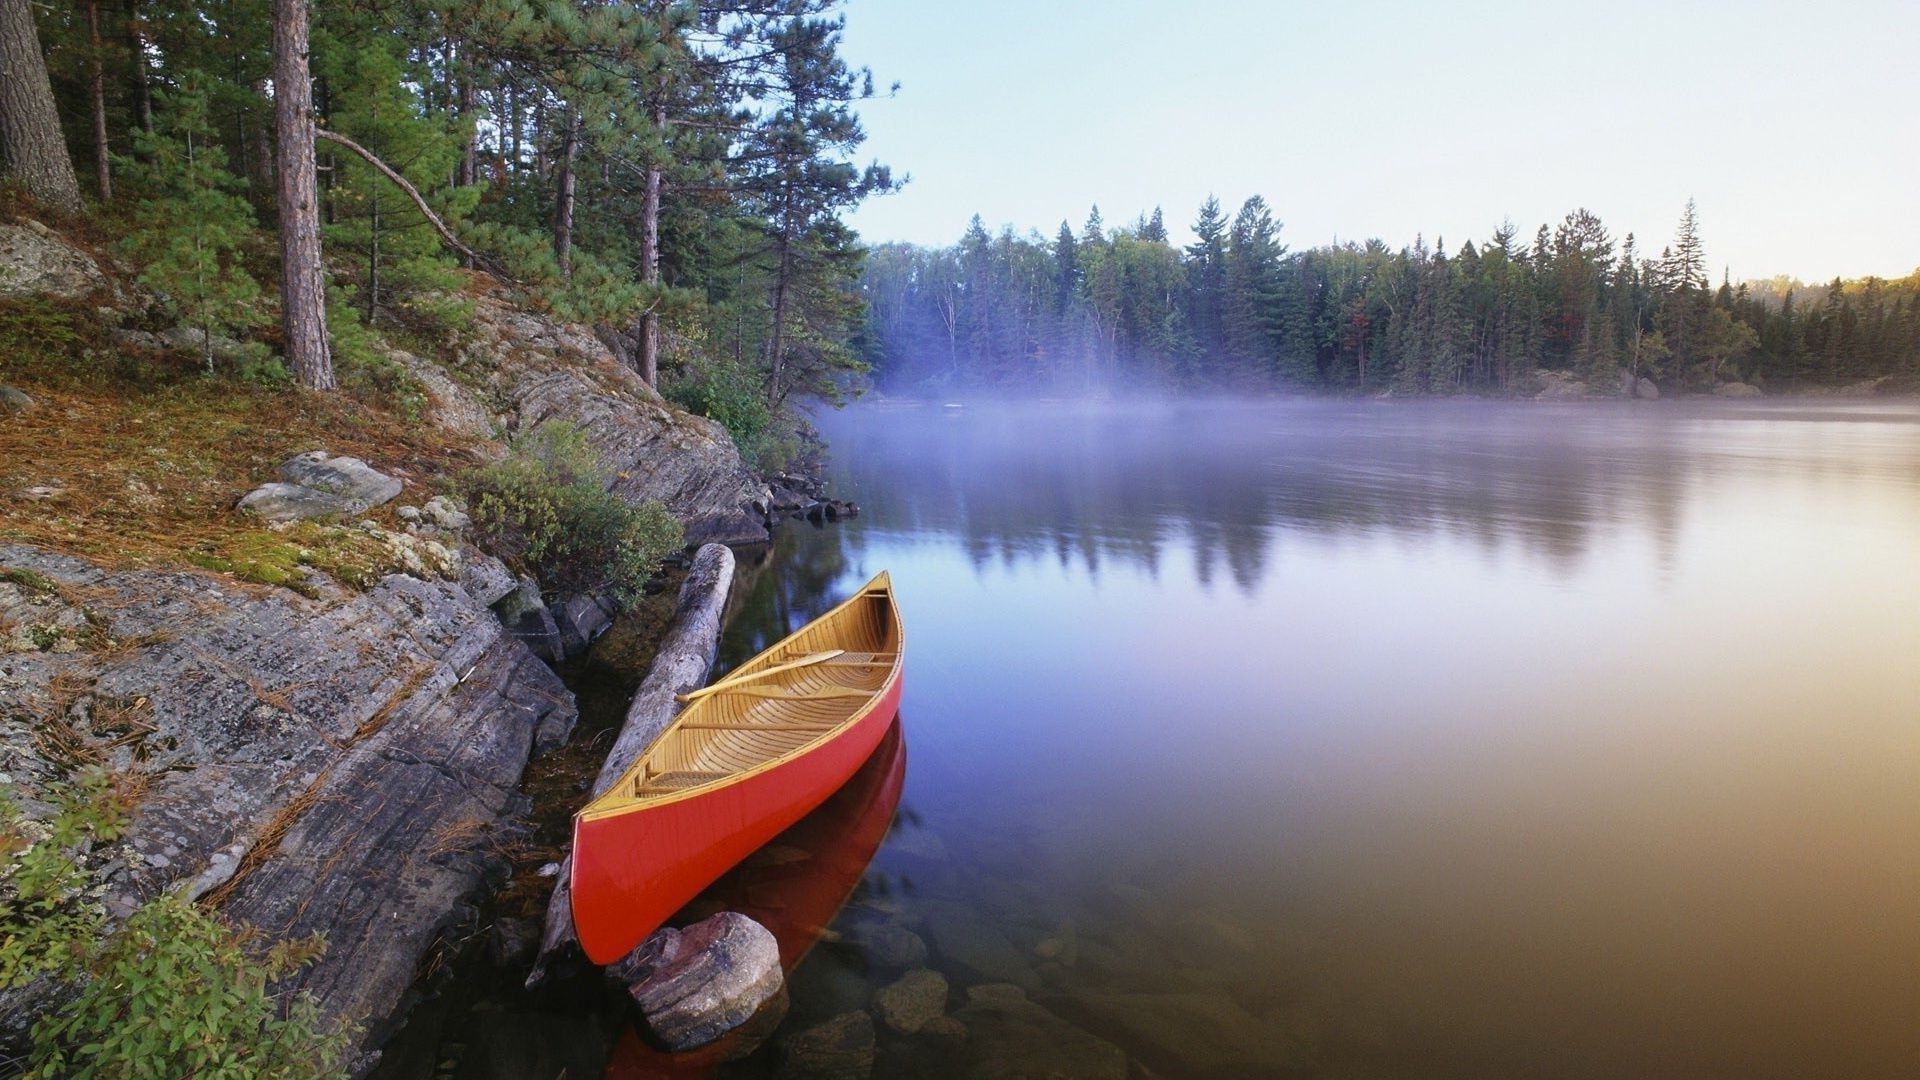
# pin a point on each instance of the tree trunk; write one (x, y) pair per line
(97, 90)
(303, 285)
(468, 151)
(563, 203)
(650, 257)
(34, 150)
(680, 664)
(777, 345)
(142, 86)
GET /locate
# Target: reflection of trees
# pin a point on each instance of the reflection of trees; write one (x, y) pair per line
(1117, 485)
(778, 591)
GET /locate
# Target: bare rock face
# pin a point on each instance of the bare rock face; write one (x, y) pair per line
(697, 984)
(35, 261)
(318, 484)
(522, 369)
(335, 765)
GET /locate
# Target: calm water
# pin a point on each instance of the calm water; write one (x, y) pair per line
(1391, 740)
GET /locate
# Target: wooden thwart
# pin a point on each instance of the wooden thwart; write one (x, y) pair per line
(728, 683)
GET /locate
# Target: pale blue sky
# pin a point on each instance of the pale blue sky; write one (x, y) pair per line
(1795, 126)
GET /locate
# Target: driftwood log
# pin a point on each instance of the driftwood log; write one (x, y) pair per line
(681, 664)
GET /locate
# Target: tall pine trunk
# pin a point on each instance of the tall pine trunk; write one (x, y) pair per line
(34, 151)
(777, 345)
(303, 288)
(650, 257)
(563, 203)
(142, 85)
(97, 90)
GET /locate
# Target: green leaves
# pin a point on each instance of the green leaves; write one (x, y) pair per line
(547, 510)
(172, 991)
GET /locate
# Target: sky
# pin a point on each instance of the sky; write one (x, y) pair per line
(1793, 126)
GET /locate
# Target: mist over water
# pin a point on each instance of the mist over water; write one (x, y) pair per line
(1431, 739)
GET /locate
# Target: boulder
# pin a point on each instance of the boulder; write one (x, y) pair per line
(13, 400)
(838, 1049)
(1014, 1037)
(1557, 386)
(442, 512)
(335, 765)
(905, 1006)
(697, 984)
(486, 578)
(1736, 390)
(317, 484)
(35, 261)
(1645, 390)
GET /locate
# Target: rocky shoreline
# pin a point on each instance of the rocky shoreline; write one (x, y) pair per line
(333, 758)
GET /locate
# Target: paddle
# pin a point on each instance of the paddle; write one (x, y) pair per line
(732, 681)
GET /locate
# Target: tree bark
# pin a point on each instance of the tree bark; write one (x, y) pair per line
(97, 90)
(563, 203)
(33, 149)
(142, 86)
(303, 284)
(777, 346)
(650, 255)
(685, 655)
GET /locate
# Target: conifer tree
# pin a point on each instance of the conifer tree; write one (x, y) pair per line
(32, 148)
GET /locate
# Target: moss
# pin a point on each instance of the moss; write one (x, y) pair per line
(35, 583)
(352, 557)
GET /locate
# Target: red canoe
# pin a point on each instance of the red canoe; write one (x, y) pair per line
(749, 756)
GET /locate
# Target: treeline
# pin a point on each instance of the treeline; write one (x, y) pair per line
(670, 171)
(1106, 308)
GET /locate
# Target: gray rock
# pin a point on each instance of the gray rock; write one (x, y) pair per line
(1736, 390)
(906, 1005)
(194, 341)
(328, 765)
(317, 485)
(348, 477)
(838, 1049)
(35, 261)
(1014, 1038)
(408, 513)
(944, 1030)
(14, 400)
(1197, 1031)
(697, 984)
(1645, 390)
(889, 946)
(1557, 386)
(485, 578)
(580, 619)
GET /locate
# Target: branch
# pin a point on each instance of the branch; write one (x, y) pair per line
(413, 193)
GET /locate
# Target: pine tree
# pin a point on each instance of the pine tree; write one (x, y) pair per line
(303, 289)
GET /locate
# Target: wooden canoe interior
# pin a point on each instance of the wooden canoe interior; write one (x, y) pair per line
(762, 719)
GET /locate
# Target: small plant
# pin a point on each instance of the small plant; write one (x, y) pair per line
(546, 510)
(172, 991)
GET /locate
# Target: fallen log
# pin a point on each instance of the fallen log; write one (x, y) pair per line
(681, 664)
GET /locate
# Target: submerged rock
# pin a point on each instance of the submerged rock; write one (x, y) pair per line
(965, 937)
(838, 1048)
(888, 946)
(1013, 1037)
(906, 1005)
(697, 984)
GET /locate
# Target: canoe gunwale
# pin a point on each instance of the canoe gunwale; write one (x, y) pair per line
(613, 803)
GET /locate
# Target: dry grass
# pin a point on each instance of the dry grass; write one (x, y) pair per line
(267, 843)
(137, 458)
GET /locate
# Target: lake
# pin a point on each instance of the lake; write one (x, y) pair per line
(1388, 739)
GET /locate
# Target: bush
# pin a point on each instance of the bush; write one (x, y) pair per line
(172, 991)
(546, 510)
(734, 395)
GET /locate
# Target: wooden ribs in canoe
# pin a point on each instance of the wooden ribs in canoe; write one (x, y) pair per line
(748, 756)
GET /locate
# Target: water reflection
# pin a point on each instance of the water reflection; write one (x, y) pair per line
(794, 886)
(1372, 740)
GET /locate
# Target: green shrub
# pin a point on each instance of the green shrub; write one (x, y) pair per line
(546, 510)
(172, 991)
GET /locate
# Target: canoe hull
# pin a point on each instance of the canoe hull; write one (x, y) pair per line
(633, 870)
